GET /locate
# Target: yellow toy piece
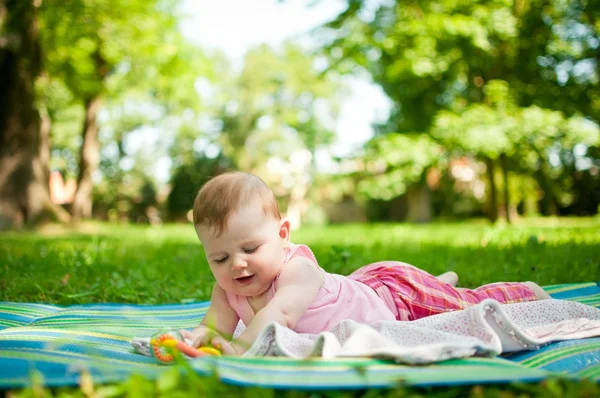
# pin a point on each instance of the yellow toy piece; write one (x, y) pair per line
(210, 351)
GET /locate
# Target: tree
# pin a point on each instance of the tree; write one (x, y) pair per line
(486, 131)
(187, 179)
(90, 46)
(397, 164)
(274, 116)
(500, 130)
(431, 57)
(164, 113)
(444, 57)
(24, 142)
(541, 135)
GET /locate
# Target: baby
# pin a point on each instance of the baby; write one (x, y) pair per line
(262, 277)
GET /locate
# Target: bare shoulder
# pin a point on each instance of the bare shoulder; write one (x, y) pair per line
(297, 286)
(300, 270)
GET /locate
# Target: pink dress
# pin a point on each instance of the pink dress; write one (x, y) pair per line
(383, 291)
(339, 298)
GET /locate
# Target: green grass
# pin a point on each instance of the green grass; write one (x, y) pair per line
(166, 264)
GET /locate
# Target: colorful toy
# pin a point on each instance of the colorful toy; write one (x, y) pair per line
(163, 344)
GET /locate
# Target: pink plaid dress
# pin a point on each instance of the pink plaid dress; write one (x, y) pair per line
(412, 293)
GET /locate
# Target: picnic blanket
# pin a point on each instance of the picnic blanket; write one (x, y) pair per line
(486, 329)
(59, 343)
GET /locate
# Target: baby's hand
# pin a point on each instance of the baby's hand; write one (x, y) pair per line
(204, 336)
(200, 333)
(226, 348)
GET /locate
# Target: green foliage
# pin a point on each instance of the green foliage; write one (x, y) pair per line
(489, 131)
(542, 128)
(481, 129)
(85, 41)
(187, 180)
(179, 381)
(280, 102)
(133, 196)
(395, 161)
(429, 56)
(510, 79)
(259, 118)
(57, 103)
(133, 55)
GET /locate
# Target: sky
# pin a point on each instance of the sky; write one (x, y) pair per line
(235, 26)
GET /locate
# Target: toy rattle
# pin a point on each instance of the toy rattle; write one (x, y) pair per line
(163, 342)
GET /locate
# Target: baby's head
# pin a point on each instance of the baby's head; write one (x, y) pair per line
(244, 237)
(226, 193)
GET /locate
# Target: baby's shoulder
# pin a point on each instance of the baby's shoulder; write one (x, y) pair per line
(301, 250)
(299, 266)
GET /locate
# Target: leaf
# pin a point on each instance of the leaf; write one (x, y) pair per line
(168, 380)
(87, 384)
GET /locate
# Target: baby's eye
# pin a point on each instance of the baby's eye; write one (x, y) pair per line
(251, 250)
(221, 260)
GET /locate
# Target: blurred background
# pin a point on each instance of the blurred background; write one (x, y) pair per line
(352, 111)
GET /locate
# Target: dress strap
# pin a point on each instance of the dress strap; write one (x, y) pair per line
(292, 250)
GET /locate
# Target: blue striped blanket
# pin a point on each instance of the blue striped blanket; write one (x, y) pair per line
(59, 343)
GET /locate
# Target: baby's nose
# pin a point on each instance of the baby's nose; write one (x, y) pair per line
(239, 262)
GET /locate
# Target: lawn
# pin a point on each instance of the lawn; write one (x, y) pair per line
(155, 265)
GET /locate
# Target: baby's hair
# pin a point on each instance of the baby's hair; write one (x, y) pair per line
(226, 193)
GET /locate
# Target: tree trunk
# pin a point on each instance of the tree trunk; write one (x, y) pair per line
(549, 207)
(121, 205)
(493, 199)
(507, 208)
(89, 159)
(418, 199)
(24, 150)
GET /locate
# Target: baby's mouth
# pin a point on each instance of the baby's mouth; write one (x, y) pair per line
(244, 279)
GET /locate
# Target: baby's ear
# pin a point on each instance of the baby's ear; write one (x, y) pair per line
(284, 229)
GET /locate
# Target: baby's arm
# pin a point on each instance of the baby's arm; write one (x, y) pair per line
(218, 324)
(297, 286)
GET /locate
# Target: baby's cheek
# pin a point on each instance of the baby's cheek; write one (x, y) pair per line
(274, 259)
(221, 277)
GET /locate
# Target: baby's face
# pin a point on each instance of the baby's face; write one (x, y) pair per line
(247, 256)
